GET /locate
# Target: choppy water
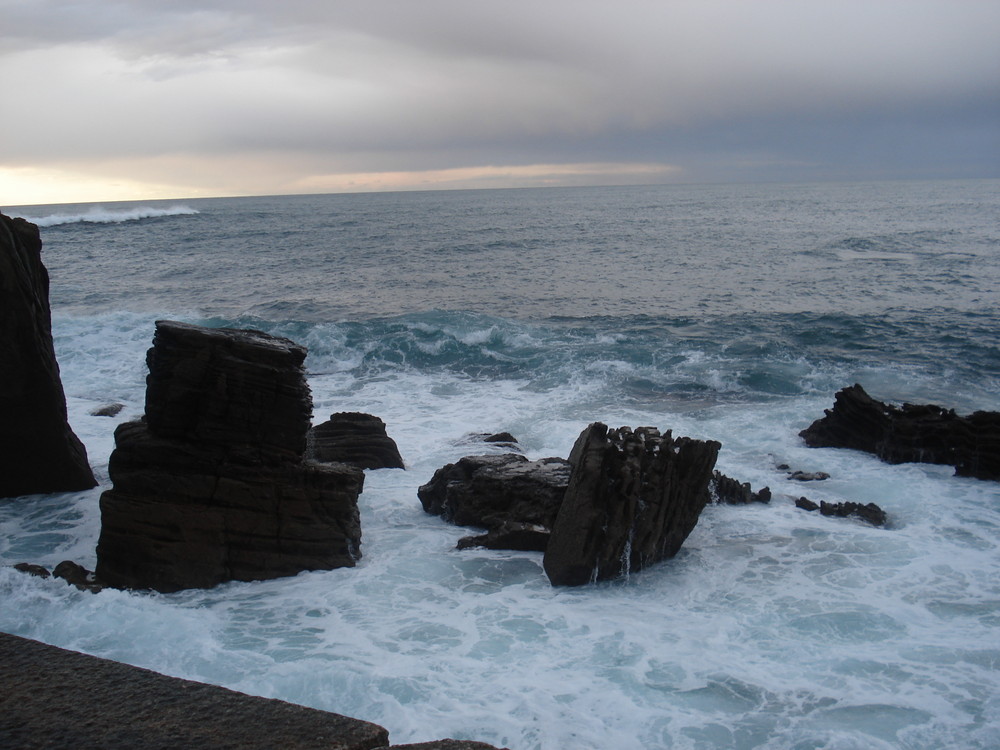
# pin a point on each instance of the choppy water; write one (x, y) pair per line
(724, 312)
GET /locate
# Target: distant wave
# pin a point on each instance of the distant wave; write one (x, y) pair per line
(111, 215)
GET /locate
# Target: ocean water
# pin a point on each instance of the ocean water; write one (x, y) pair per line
(725, 312)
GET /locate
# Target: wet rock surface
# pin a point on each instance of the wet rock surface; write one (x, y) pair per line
(632, 499)
(354, 438)
(41, 453)
(910, 433)
(211, 485)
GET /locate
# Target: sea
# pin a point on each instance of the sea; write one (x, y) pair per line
(724, 312)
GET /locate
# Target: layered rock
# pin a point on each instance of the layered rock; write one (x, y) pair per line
(211, 485)
(911, 433)
(729, 491)
(633, 498)
(492, 490)
(40, 451)
(354, 438)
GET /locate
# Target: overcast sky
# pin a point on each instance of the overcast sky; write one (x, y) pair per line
(134, 99)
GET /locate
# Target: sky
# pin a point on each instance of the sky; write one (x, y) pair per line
(140, 99)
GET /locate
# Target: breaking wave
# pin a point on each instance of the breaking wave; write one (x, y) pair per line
(111, 215)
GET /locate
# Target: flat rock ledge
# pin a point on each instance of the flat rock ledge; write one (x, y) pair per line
(53, 698)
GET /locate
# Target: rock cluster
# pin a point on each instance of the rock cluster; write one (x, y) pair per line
(354, 438)
(870, 512)
(211, 485)
(633, 498)
(40, 451)
(911, 433)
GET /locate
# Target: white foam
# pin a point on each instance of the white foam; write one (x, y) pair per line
(100, 215)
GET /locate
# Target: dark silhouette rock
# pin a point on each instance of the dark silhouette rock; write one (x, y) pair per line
(41, 453)
(356, 439)
(808, 476)
(110, 410)
(729, 491)
(491, 490)
(32, 569)
(870, 512)
(911, 433)
(77, 575)
(526, 537)
(806, 504)
(211, 485)
(633, 498)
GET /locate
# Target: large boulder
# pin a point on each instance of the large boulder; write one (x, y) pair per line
(911, 433)
(40, 451)
(354, 438)
(211, 485)
(633, 498)
(495, 489)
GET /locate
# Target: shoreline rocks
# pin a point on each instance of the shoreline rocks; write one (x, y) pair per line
(41, 453)
(211, 485)
(910, 433)
(354, 438)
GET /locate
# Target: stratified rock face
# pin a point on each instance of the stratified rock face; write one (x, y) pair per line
(40, 451)
(211, 486)
(354, 438)
(911, 433)
(632, 500)
(491, 490)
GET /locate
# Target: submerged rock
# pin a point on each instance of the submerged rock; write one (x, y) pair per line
(911, 433)
(633, 498)
(211, 485)
(354, 438)
(41, 453)
(871, 513)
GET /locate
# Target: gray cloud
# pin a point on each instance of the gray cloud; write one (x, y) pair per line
(724, 88)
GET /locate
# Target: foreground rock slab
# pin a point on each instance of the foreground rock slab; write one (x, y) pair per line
(211, 485)
(53, 698)
(633, 498)
(911, 433)
(40, 451)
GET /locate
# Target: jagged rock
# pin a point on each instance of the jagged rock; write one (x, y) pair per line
(493, 489)
(526, 537)
(77, 575)
(356, 439)
(110, 410)
(729, 491)
(911, 433)
(211, 485)
(806, 504)
(632, 500)
(870, 512)
(501, 437)
(40, 451)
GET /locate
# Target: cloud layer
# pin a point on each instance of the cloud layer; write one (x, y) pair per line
(227, 97)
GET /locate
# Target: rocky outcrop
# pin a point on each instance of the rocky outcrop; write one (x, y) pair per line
(633, 498)
(354, 438)
(911, 433)
(871, 513)
(491, 490)
(729, 491)
(40, 451)
(211, 485)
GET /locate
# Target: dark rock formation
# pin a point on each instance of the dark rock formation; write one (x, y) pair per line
(491, 490)
(32, 569)
(356, 439)
(53, 698)
(632, 499)
(526, 537)
(808, 476)
(447, 745)
(40, 451)
(729, 491)
(870, 512)
(211, 485)
(911, 433)
(110, 410)
(77, 575)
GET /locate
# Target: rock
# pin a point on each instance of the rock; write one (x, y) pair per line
(40, 451)
(77, 575)
(491, 490)
(501, 440)
(54, 698)
(911, 433)
(870, 513)
(32, 569)
(356, 439)
(110, 410)
(211, 485)
(526, 537)
(632, 500)
(728, 491)
(806, 504)
(446, 745)
(501, 437)
(808, 476)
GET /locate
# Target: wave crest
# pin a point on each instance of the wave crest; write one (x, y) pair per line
(111, 215)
